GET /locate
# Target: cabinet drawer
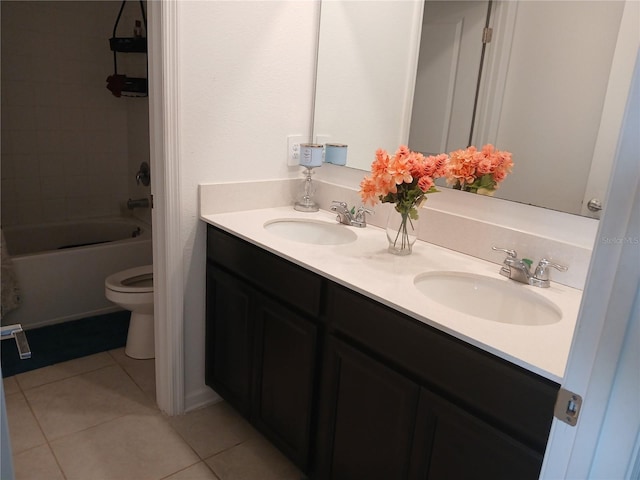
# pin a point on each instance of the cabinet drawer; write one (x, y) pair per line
(268, 272)
(508, 396)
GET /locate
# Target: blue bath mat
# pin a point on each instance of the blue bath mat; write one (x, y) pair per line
(66, 341)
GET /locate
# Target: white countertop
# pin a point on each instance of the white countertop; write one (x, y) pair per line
(366, 267)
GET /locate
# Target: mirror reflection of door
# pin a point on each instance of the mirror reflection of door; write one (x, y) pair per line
(449, 66)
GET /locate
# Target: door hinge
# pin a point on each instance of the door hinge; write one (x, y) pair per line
(567, 407)
(151, 200)
(487, 33)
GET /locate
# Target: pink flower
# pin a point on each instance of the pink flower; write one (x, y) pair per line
(467, 166)
(425, 183)
(404, 178)
(435, 166)
(400, 169)
(485, 165)
(462, 166)
(368, 191)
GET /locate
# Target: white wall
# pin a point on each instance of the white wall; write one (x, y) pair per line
(65, 137)
(366, 75)
(246, 76)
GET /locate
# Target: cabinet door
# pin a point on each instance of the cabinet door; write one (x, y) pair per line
(229, 333)
(368, 418)
(285, 378)
(451, 443)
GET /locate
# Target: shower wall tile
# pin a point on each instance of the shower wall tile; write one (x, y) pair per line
(54, 209)
(29, 209)
(70, 149)
(27, 188)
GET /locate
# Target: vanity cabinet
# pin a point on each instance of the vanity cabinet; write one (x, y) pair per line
(379, 425)
(350, 388)
(262, 340)
(445, 409)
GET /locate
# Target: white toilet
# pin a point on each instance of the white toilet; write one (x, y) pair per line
(132, 289)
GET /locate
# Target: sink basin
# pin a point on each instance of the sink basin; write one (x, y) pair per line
(314, 232)
(488, 298)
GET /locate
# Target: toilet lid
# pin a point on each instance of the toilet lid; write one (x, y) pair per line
(133, 280)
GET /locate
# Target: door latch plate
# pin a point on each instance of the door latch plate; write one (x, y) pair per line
(567, 408)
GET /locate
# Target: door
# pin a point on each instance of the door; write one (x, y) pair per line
(285, 378)
(447, 77)
(606, 316)
(228, 339)
(451, 443)
(368, 429)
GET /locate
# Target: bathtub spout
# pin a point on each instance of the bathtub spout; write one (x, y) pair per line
(138, 203)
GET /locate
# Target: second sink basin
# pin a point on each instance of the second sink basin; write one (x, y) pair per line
(488, 298)
(315, 232)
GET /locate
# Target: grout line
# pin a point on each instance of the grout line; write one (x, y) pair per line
(55, 457)
(185, 468)
(63, 378)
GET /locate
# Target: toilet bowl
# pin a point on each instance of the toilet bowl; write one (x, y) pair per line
(132, 289)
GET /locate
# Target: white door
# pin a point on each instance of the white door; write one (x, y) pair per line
(448, 67)
(603, 362)
(604, 152)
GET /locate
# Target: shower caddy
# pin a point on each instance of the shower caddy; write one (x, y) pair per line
(118, 83)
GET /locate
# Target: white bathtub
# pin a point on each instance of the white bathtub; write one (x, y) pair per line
(61, 267)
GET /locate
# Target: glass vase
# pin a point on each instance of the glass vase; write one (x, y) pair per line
(402, 232)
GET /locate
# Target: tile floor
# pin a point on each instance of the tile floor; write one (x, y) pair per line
(95, 418)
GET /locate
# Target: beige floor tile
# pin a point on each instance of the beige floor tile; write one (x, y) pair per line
(199, 471)
(10, 385)
(212, 429)
(60, 371)
(36, 464)
(80, 402)
(133, 447)
(253, 459)
(143, 372)
(23, 427)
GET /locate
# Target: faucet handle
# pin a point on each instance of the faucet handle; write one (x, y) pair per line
(335, 204)
(509, 252)
(362, 210)
(542, 270)
(359, 220)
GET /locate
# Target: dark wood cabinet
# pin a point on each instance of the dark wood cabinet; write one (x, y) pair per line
(378, 424)
(285, 378)
(261, 350)
(451, 443)
(229, 338)
(349, 388)
(368, 418)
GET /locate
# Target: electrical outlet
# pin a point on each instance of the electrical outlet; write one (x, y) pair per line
(293, 149)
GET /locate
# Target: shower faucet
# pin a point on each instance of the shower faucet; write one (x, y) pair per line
(144, 175)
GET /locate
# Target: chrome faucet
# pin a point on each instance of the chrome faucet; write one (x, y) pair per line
(345, 216)
(519, 269)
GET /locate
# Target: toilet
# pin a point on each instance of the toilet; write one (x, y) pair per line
(132, 289)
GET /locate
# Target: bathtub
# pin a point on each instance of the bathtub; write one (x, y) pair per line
(61, 267)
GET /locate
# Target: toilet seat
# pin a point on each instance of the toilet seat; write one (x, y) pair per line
(133, 280)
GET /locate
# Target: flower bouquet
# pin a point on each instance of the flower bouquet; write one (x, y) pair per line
(404, 179)
(478, 171)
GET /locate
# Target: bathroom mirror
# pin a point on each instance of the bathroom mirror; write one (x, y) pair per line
(541, 95)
